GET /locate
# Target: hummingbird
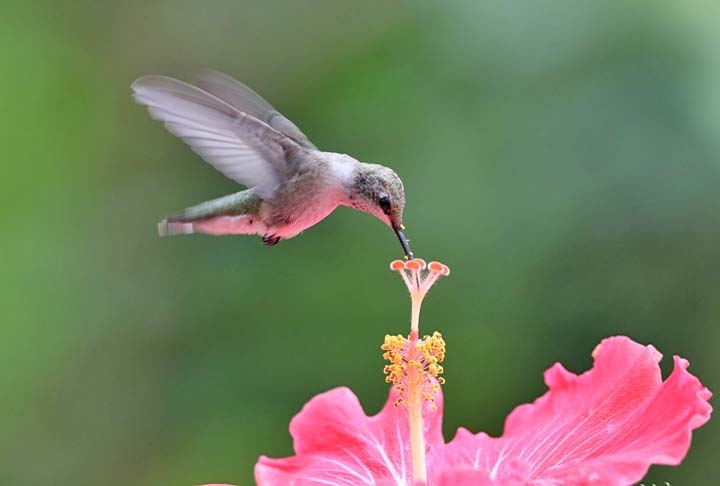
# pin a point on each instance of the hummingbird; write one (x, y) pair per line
(290, 184)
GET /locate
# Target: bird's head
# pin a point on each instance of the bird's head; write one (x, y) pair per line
(378, 190)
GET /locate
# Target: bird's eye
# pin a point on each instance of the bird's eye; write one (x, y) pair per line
(385, 205)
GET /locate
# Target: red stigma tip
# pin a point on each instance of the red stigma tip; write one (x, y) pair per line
(414, 264)
(436, 267)
(422, 263)
(397, 265)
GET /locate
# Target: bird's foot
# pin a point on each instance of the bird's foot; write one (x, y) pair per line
(271, 240)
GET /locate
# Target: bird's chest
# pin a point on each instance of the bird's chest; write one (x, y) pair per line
(294, 215)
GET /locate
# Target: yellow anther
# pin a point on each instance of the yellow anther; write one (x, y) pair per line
(414, 367)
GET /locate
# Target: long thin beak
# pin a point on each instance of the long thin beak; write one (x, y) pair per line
(404, 242)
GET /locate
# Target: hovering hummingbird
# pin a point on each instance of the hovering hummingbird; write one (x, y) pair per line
(291, 185)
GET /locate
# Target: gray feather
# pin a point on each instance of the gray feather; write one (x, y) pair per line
(248, 101)
(243, 202)
(242, 147)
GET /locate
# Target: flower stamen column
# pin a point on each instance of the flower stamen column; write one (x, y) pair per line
(414, 368)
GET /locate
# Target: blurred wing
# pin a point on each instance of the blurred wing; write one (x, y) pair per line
(248, 101)
(243, 148)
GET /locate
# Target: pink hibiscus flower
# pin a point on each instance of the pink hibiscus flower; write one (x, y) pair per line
(603, 427)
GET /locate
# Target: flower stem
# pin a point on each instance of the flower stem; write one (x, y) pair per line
(416, 300)
(417, 443)
(415, 399)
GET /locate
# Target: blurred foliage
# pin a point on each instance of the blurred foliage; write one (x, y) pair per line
(562, 157)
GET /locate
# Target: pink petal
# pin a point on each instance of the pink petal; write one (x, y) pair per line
(337, 443)
(604, 427)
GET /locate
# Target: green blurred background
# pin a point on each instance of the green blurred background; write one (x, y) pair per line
(562, 157)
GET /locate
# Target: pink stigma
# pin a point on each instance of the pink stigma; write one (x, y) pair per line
(418, 275)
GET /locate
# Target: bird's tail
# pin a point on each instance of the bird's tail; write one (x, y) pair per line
(170, 228)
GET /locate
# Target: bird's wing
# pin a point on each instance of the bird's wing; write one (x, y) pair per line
(239, 145)
(248, 101)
